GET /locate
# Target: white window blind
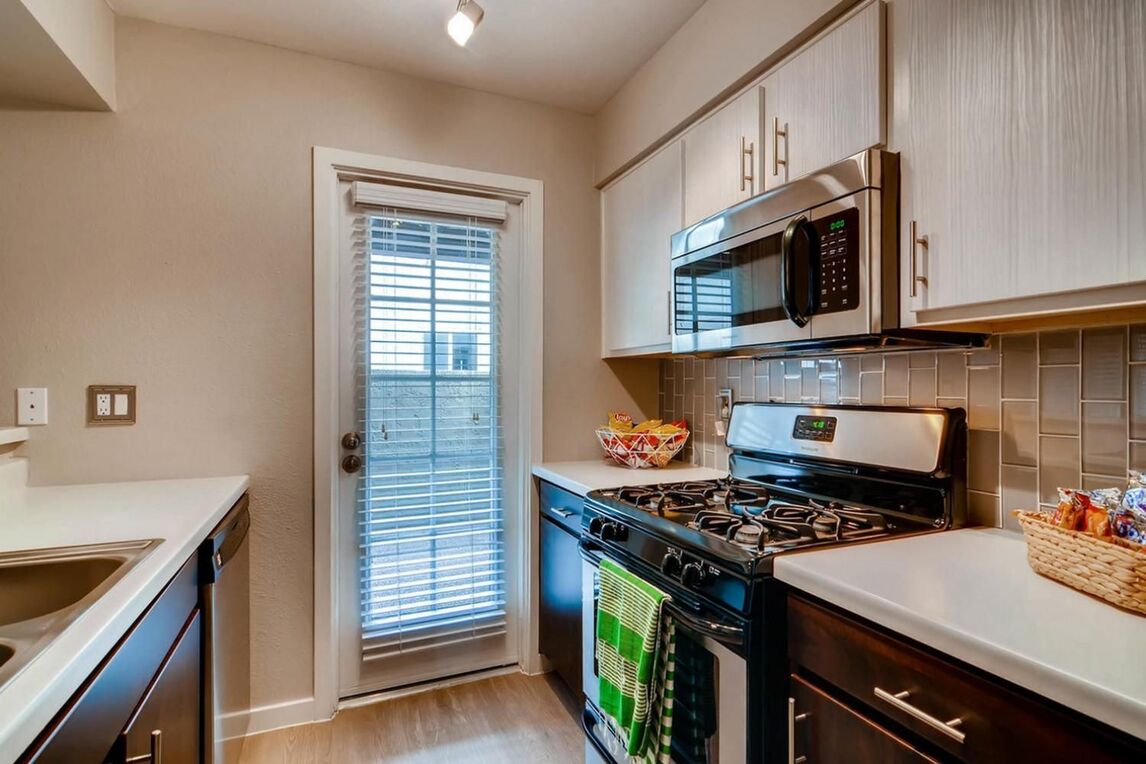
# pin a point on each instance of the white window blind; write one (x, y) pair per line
(430, 498)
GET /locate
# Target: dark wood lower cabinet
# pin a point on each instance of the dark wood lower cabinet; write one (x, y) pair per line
(826, 730)
(559, 620)
(165, 728)
(166, 637)
(929, 701)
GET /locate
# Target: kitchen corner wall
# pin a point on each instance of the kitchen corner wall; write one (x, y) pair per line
(1047, 409)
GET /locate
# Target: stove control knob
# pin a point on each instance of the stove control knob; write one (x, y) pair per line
(671, 565)
(595, 526)
(692, 575)
(614, 532)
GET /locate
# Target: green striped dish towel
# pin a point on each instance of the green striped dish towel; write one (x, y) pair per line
(632, 682)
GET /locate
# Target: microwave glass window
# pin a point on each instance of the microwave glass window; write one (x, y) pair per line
(737, 287)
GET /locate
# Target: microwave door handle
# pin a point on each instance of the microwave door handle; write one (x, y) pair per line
(788, 270)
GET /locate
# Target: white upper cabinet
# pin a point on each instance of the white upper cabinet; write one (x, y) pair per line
(639, 214)
(826, 102)
(1022, 133)
(721, 164)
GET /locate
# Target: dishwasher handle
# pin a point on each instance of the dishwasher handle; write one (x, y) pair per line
(225, 542)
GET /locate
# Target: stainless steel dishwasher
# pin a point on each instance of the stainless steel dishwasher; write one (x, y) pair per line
(224, 581)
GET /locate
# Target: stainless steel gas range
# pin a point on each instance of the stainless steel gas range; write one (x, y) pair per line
(801, 477)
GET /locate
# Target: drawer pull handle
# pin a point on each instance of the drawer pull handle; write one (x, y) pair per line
(899, 700)
(155, 755)
(566, 513)
(793, 717)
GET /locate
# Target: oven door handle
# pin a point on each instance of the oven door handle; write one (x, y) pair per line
(721, 632)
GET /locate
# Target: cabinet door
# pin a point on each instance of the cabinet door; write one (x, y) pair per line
(827, 102)
(1021, 130)
(639, 214)
(559, 625)
(168, 716)
(827, 730)
(720, 158)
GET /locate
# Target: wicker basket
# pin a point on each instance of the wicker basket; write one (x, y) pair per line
(1111, 569)
(641, 449)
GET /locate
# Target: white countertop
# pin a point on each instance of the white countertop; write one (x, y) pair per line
(582, 477)
(971, 594)
(181, 512)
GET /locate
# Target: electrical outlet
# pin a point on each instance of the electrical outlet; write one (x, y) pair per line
(31, 406)
(111, 404)
(724, 404)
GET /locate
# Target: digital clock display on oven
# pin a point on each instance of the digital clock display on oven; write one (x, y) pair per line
(819, 428)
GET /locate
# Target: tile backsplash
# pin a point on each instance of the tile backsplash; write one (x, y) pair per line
(1062, 407)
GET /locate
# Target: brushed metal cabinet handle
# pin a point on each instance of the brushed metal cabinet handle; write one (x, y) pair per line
(747, 151)
(563, 512)
(793, 717)
(776, 133)
(899, 700)
(916, 240)
(155, 755)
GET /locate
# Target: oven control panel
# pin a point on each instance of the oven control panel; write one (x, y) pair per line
(839, 261)
(821, 429)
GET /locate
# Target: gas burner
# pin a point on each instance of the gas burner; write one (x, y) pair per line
(786, 524)
(692, 497)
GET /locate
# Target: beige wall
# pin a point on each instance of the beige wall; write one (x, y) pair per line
(722, 42)
(168, 246)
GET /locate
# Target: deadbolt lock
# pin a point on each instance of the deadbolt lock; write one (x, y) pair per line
(351, 441)
(351, 463)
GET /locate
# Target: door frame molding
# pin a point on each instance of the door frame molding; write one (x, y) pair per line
(330, 166)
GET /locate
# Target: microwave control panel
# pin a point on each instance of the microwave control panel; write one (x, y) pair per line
(839, 261)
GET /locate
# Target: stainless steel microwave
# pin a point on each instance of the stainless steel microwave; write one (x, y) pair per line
(811, 265)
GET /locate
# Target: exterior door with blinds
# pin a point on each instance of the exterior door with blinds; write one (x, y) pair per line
(426, 585)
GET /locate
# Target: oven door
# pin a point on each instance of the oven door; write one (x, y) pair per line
(799, 278)
(710, 683)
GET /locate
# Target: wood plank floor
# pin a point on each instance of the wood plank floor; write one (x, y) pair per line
(511, 718)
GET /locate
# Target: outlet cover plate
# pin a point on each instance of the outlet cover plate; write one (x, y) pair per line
(111, 404)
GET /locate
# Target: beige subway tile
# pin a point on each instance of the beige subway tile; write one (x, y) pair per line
(983, 509)
(1138, 456)
(1019, 490)
(1138, 402)
(677, 410)
(1138, 342)
(829, 390)
(1104, 438)
(983, 460)
(871, 362)
(849, 377)
(895, 381)
(987, 356)
(921, 359)
(983, 398)
(1059, 347)
(1104, 364)
(894, 400)
(1096, 482)
(1058, 400)
(1058, 466)
(952, 374)
(952, 403)
(1020, 366)
(871, 388)
(1020, 433)
(921, 387)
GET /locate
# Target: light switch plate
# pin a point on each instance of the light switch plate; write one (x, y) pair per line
(111, 404)
(31, 406)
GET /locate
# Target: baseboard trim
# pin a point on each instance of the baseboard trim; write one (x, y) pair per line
(415, 689)
(290, 713)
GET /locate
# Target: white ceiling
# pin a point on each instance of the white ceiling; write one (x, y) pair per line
(569, 53)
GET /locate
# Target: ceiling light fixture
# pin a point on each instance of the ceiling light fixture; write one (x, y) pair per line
(464, 21)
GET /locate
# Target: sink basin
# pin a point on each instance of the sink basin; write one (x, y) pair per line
(35, 589)
(42, 591)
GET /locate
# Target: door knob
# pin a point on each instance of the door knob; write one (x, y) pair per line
(351, 463)
(351, 441)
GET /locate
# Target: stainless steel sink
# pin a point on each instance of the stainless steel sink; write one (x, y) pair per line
(44, 590)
